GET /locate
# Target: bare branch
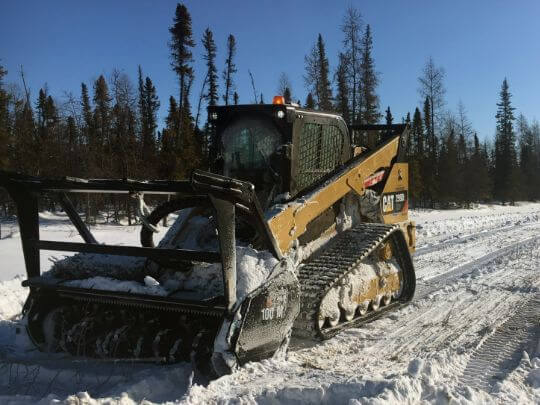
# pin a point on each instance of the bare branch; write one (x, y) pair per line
(253, 86)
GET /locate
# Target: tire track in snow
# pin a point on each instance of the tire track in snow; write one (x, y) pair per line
(445, 257)
(422, 328)
(408, 335)
(424, 288)
(430, 240)
(501, 352)
(430, 248)
(422, 333)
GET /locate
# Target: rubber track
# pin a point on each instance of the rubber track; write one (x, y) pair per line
(501, 352)
(318, 276)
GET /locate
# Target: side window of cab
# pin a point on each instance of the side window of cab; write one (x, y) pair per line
(320, 151)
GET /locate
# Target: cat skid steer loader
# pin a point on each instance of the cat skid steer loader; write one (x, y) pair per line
(299, 228)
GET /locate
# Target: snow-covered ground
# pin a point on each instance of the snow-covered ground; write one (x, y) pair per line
(471, 335)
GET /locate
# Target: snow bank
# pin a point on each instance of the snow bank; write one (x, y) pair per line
(12, 297)
(137, 275)
(416, 355)
(440, 224)
(87, 265)
(129, 274)
(253, 268)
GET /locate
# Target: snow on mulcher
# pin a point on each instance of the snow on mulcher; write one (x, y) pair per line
(300, 227)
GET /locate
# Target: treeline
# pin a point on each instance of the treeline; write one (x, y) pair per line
(354, 80)
(448, 164)
(110, 127)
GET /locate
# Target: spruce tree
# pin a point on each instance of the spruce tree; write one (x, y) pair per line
(180, 46)
(535, 134)
(342, 96)
(47, 148)
(287, 95)
(417, 129)
(351, 28)
(369, 101)
(102, 101)
(210, 58)
(463, 191)
(51, 112)
(40, 110)
(151, 104)
(51, 146)
(235, 98)
(389, 119)
(448, 169)
(325, 92)
(102, 111)
(506, 174)
(416, 159)
(317, 75)
(88, 136)
(429, 168)
(191, 146)
(5, 129)
(229, 70)
(310, 102)
(142, 104)
(26, 154)
(168, 158)
(528, 163)
(72, 136)
(478, 173)
(86, 107)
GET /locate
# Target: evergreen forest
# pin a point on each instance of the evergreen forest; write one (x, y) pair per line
(109, 128)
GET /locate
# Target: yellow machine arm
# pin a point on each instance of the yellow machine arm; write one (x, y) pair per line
(291, 222)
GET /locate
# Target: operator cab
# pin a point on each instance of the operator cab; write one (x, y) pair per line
(282, 149)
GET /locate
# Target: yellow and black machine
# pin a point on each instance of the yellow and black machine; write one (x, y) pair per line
(327, 202)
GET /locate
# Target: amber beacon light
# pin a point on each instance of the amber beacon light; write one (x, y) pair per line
(278, 100)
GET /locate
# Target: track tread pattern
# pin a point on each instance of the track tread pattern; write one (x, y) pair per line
(341, 256)
(501, 352)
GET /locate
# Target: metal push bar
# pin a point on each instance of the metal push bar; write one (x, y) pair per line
(224, 193)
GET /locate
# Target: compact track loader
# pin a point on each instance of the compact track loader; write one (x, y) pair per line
(300, 227)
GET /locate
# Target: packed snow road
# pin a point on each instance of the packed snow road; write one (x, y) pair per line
(471, 334)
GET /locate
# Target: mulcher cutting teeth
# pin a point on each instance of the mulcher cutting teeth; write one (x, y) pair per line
(122, 334)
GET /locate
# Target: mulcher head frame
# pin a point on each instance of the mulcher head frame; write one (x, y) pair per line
(226, 195)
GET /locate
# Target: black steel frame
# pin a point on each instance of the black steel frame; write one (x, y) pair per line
(25, 191)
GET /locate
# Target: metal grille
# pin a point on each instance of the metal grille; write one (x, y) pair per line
(319, 152)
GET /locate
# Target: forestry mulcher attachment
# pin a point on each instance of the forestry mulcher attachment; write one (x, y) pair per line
(301, 226)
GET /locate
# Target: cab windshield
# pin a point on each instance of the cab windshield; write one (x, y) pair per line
(248, 144)
(249, 148)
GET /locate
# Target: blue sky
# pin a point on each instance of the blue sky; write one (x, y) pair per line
(478, 43)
